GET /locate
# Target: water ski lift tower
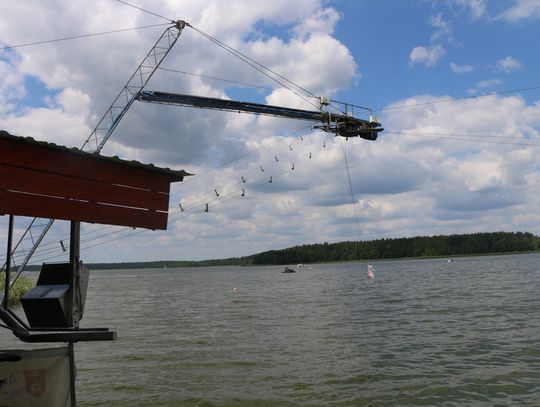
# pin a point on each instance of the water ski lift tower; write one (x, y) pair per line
(342, 124)
(49, 182)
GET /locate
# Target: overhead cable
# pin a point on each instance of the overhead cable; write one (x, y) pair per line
(197, 176)
(474, 136)
(216, 79)
(144, 10)
(434, 102)
(79, 36)
(259, 67)
(462, 138)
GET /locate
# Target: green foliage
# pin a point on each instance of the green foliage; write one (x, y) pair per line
(232, 261)
(21, 287)
(420, 246)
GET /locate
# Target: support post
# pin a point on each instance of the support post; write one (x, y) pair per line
(71, 352)
(74, 258)
(8, 263)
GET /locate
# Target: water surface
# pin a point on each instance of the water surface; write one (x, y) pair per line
(424, 332)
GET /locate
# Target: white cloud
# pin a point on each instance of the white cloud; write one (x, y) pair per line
(457, 68)
(53, 124)
(428, 56)
(522, 9)
(443, 29)
(323, 21)
(507, 65)
(477, 8)
(74, 101)
(12, 85)
(484, 85)
(242, 15)
(303, 62)
(477, 155)
(489, 83)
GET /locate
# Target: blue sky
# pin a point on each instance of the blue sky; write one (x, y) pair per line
(452, 161)
(472, 48)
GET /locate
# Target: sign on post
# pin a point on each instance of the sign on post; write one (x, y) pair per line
(39, 378)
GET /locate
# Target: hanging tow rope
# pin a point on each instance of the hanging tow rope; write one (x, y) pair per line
(351, 191)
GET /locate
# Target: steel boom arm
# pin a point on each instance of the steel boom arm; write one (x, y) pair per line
(342, 125)
(38, 228)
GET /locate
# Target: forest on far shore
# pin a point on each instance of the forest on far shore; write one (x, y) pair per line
(393, 248)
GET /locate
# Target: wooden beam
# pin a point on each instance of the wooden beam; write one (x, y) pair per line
(66, 186)
(23, 204)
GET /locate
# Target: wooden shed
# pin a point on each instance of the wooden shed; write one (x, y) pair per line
(40, 179)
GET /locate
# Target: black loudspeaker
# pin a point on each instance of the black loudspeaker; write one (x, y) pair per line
(48, 304)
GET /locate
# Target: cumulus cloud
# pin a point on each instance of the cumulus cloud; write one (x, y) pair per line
(12, 86)
(522, 9)
(323, 21)
(430, 56)
(302, 62)
(52, 124)
(507, 65)
(476, 150)
(427, 56)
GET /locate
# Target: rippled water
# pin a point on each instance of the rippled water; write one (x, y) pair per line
(424, 332)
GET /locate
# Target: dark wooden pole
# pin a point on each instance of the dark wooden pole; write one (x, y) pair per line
(8, 262)
(74, 257)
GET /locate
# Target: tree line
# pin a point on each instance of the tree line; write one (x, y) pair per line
(391, 248)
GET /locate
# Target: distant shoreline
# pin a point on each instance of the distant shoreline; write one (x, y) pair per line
(142, 265)
(419, 247)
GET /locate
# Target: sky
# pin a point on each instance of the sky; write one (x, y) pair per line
(453, 82)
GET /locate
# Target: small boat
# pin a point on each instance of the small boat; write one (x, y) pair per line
(288, 270)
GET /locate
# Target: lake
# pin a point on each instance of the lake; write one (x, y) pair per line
(423, 332)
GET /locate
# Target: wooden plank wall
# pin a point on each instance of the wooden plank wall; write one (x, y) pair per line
(58, 183)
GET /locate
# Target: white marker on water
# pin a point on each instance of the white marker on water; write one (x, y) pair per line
(370, 271)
